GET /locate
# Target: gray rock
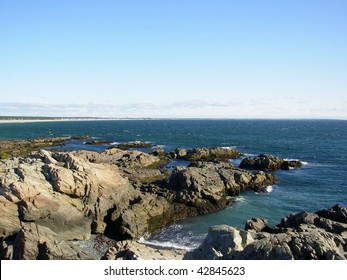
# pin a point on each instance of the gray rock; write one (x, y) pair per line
(37, 242)
(256, 224)
(303, 236)
(207, 186)
(221, 242)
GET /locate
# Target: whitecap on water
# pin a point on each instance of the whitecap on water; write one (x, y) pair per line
(268, 190)
(295, 159)
(249, 155)
(159, 146)
(229, 147)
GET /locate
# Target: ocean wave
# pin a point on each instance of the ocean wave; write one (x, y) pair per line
(114, 143)
(249, 155)
(167, 244)
(268, 190)
(229, 147)
(159, 146)
(295, 159)
(239, 199)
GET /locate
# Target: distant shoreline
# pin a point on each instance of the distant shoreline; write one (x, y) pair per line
(33, 120)
(4, 119)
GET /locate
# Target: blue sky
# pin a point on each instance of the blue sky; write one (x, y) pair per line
(218, 59)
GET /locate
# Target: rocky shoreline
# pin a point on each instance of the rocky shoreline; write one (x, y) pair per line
(50, 199)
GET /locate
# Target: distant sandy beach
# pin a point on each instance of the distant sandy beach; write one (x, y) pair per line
(66, 120)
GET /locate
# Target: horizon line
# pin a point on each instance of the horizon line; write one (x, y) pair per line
(66, 118)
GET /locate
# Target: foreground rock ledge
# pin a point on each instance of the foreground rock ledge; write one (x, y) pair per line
(303, 236)
(51, 198)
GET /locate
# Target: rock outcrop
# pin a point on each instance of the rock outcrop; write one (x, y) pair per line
(14, 148)
(320, 235)
(121, 193)
(205, 154)
(269, 163)
(206, 186)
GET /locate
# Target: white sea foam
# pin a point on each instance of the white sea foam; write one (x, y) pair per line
(250, 155)
(159, 146)
(239, 199)
(114, 143)
(166, 244)
(229, 147)
(293, 159)
(268, 190)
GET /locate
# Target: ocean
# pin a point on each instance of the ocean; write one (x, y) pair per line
(320, 144)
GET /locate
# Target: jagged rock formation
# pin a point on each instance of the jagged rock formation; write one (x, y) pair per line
(206, 186)
(71, 195)
(320, 235)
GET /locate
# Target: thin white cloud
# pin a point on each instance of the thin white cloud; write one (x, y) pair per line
(147, 105)
(191, 108)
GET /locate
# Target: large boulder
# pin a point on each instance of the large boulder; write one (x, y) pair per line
(66, 193)
(206, 186)
(337, 213)
(269, 163)
(148, 214)
(221, 241)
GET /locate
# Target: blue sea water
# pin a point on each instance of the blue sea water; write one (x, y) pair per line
(320, 144)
